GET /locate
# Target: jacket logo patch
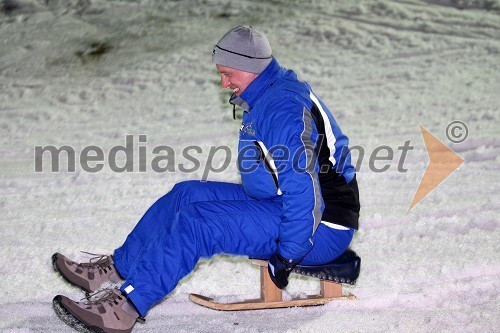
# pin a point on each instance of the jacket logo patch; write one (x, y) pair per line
(247, 128)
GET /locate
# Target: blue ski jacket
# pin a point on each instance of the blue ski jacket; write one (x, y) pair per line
(291, 149)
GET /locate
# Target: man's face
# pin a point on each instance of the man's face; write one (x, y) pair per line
(235, 79)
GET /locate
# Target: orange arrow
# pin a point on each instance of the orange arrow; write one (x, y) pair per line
(443, 161)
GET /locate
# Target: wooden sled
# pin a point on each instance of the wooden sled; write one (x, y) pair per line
(345, 269)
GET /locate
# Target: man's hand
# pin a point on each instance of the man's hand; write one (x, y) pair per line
(280, 268)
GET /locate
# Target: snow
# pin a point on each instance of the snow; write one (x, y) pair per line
(383, 67)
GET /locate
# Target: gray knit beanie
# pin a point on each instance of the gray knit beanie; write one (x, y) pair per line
(243, 48)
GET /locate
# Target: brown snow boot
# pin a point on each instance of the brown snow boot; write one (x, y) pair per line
(88, 276)
(107, 311)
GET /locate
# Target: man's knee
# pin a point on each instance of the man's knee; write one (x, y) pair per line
(187, 186)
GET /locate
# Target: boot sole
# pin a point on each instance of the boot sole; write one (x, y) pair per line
(69, 319)
(54, 259)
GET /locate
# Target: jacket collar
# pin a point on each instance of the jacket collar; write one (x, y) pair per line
(256, 89)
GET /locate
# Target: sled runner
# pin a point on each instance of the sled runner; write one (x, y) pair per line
(344, 269)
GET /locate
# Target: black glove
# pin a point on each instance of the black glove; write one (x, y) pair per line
(280, 268)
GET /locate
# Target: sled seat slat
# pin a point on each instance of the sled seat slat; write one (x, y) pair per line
(344, 269)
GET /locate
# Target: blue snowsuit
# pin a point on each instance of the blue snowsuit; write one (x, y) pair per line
(298, 195)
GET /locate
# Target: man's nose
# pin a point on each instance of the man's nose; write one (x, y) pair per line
(224, 82)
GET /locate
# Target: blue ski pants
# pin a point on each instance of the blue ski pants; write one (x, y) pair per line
(198, 220)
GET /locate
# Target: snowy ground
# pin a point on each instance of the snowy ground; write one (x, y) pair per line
(383, 67)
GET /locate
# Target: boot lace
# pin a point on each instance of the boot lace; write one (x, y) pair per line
(104, 295)
(102, 261)
(107, 295)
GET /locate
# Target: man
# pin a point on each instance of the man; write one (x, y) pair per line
(298, 201)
